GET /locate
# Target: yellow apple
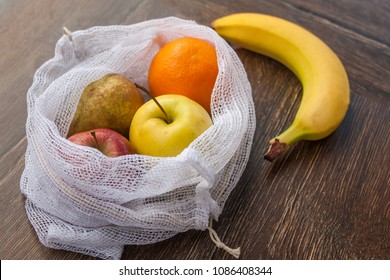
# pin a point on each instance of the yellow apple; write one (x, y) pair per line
(154, 133)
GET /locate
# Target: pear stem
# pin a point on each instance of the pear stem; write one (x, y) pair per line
(93, 133)
(155, 100)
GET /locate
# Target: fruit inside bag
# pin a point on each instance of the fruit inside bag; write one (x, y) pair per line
(80, 200)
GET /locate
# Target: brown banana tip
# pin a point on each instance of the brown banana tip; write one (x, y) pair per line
(275, 149)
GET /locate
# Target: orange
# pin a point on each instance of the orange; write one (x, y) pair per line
(185, 66)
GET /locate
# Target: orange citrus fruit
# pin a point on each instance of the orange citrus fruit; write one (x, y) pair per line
(186, 66)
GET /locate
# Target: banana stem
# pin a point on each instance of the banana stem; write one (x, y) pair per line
(275, 149)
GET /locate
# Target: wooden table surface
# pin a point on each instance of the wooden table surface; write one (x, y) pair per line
(327, 199)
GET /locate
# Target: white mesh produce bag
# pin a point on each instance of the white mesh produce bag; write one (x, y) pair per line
(78, 199)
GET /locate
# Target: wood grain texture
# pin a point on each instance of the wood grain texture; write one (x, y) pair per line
(327, 199)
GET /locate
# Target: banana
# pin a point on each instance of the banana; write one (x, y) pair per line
(325, 84)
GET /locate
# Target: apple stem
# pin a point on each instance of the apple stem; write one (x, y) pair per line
(93, 133)
(155, 100)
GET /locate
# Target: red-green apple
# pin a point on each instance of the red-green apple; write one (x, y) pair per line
(109, 102)
(107, 141)
(155, 133)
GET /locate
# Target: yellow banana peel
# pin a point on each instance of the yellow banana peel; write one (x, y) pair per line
(326, 93)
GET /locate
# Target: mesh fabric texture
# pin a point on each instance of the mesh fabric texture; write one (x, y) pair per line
(79, 200)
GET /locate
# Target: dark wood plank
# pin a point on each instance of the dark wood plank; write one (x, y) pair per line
(356, 16)
(327, 199)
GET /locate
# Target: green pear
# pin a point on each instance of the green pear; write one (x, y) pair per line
(109, 102)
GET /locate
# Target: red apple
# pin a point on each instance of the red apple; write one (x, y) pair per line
(107, 141)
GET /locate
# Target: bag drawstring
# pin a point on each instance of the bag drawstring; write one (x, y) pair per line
(68, 33)
(214, 237)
